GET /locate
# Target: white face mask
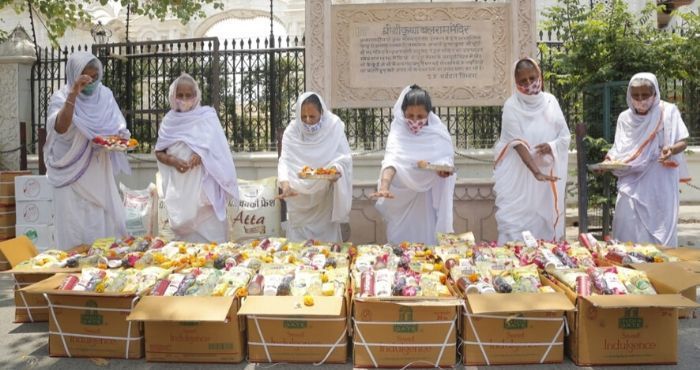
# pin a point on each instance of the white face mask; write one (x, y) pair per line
(184, 105)
(642, 106)
(312, 129)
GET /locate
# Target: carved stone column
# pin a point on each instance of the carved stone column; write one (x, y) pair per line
(17, 54)
(318, 48)
(525, 30)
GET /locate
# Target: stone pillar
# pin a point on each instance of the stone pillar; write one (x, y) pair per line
(525, 28)
(318, 48)
(17, 54)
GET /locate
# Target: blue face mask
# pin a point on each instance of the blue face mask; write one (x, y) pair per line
(90, 88)
(312, 129)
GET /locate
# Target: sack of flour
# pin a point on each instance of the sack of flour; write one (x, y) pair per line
(140, 208)
(257, 213)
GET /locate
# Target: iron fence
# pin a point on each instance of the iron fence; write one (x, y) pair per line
(254, 87)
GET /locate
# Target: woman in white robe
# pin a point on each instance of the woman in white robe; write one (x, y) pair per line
(86, 197)
(315, 138)
(196, 166)
(531, 161)
(650, 137)
(416, 204)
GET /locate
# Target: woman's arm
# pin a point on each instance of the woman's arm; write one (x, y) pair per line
(385, 179)
(530, 163)
(170, 160)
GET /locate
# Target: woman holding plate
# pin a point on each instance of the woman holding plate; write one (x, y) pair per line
(82, 173)
(650, 138)
(316, 139)
(416, 185)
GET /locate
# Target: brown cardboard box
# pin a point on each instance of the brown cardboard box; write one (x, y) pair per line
(29, 307)
(517, 328)
(283, 329)
(398, 332)
(684, 253)
(191, 329)
(624, 329)
(88, 324)
(674, 277)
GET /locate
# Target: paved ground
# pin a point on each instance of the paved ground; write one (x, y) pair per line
(25, 346)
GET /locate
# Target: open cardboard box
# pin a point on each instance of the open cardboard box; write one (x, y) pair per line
(405, 331)
(624, 329)
(29, 307)
(674, 277)
(283, 329)
(514, 328)
(89, 324)
(683, 253)
(191, 329)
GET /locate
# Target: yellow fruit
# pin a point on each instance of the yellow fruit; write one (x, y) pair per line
(308, 300)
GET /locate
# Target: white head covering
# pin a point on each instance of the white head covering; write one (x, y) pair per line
(186, 79)
(529, 103)
(325, 148)
(433, 144)
(94, 115)
(200, 129)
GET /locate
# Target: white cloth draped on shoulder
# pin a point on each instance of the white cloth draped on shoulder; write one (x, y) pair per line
(648, 200)
(522, 202)
(422, 203)
(197, 199)
(83, 176)
(320, 206)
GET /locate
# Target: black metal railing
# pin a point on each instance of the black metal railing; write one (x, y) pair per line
(254, 88)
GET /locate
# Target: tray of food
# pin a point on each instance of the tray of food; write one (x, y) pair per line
(309, 173)
(425, 165)
(115, 143)
(608, 166)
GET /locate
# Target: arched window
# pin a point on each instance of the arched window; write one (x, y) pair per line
(244, 29)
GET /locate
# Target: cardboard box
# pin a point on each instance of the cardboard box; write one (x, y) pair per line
(33, 187)
(7, 186)
(283, 329)
(191, 329)
(89, 324)
(29, 307)
(43, 236)
(7, 232)
(516, 328)
(405, 332)
(674, 277)
(624, 329)
(34, 212)
(684, 253)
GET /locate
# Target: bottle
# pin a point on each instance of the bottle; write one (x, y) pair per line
(255, 287)
(367, 281)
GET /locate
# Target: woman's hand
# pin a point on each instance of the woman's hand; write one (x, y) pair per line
(80, 83)
(666, 153)
(543, 149)
(542, 177)
(179, 164)
(287, 191)
(195, 161)
(444, 174)
(333, 181)
(382, 194)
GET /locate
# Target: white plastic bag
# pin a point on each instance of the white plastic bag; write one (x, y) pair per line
(140, 207)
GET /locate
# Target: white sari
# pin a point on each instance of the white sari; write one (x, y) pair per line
(422, 203)
(85, 193)
(197, 199)
(647, 201)
(320, 206)
(522, 202)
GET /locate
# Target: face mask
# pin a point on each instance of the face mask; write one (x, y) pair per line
(184, 105)
(312, 129)
(532, 89)
(642, 106)
(90, 88)
(416, 126)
